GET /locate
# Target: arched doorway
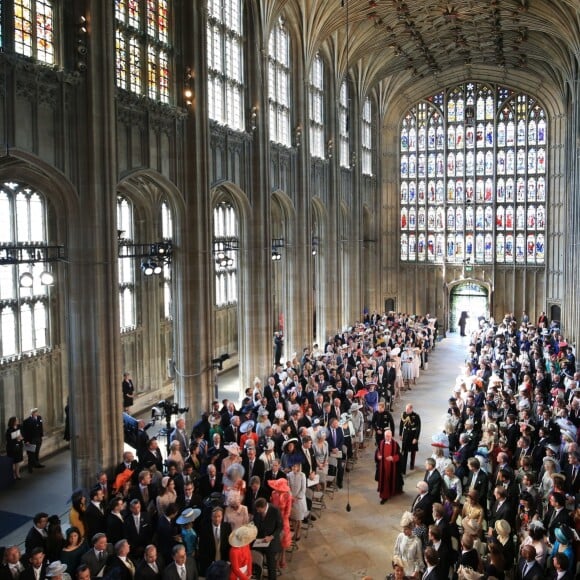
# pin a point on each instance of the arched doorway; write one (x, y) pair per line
(471, 297)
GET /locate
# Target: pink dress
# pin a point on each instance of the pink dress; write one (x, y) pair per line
(283, 501)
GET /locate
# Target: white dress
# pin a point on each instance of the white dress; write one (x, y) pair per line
(410, 550)
(297, 485)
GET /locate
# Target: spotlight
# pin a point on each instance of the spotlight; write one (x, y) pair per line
(26, 280)
(314, 251)
(157, 269)
(276, 256)
(148, 267)
(47, 278)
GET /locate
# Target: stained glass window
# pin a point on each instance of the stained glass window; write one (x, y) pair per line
(343, 124)
(367, 141)
(142, 49)
(316, 109)
(167, 235)
(125, 225)
(226, 242)
(34, 29)
(279, 84)
(473, 169)
(24, 312)
(225, 63)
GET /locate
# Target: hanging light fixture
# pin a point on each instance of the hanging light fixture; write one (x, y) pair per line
(47, 278)
(26, 280)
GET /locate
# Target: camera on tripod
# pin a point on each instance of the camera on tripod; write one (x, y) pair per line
(166, 409)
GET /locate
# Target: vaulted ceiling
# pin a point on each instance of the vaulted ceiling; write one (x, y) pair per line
(403, 41)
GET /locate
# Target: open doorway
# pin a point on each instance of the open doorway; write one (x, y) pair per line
(469, 297)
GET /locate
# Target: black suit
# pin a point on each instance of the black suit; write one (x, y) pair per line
(28, 573)
(138, 539)
(480, 486)
(436, 574)
(115, 528)
(95, 520)
(145, 572)
(153, 457)
(206, 554)
(445, 557)
(553, 521)
(503, 512)
(258, 469)
(171, 573)
(166, 532)
(205, 488)
(230, 436)
(117, 569)
(92, 561)
(572, 482)
(424, 503)
(534, 573)
(34, 539)
(252, 496)
(270, 524)
(434, 483)
(33, 431)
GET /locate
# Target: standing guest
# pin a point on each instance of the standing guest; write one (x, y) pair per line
(281, 498)
(561, 564)
(15, 445)
(214, 541)
(180, 434)
(387, 458)
(182, 568)
(120, 566)
(188, 534)
(462, 323)
(96, 558)
(433, 479)
(94, 516)
(76, 515)
(278, 344)
(299, 511)
(54, 539)
(12, 567)
(381, 421)
(240, 552)
(408, 548)
(269, 523)
(433, 571)
(151, 567)
(528, 567)
(33, 432)
(73, 550)
(409, 431)
(167, 531)
(167, 495)
(236, 514)
(128, 391)
(36, 537)
(137, 529)
(37, 564)
(335, 438)
(115, 520)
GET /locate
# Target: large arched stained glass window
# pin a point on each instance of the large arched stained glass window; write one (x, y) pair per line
(225, 246)
(473, 177)
(24, 310)
(34, 29)
(125, 225)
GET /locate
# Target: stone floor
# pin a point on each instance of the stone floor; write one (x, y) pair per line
(342, 545)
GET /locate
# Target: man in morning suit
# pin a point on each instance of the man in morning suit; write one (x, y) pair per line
(335, 440)
(501, 509)
(433, 479)
(477, 479)
(556, 515)
(94, 516)
(269, 523)
(152, 565)
(138, 529)
(528, 568)
(120, 566)
(214, 543)
(33, 432)
(37, 564)
(182, 567)
(36, 537)
(210, 482)
(96, 558)
(433, 570)
(424, 501)
(252, 465)
(12, 567)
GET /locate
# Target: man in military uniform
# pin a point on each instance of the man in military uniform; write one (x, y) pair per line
(381, 421)
(409, 431)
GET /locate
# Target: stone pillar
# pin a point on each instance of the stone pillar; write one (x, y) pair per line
(193, 264)
(95, 373)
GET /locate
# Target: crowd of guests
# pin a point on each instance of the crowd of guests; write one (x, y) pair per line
(240, 483)
(501, 494)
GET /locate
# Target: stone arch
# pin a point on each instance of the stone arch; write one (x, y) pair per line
(470, 294)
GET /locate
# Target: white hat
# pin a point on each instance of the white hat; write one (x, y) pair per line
(243, 535)
(56, 568)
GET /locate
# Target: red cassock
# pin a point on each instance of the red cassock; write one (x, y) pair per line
(241, 563)
(388, 476)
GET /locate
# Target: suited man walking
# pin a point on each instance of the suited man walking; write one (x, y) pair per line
(269, 523)
(96, 558)
(33, 432)
(182, 567)
(423, 501)
(214, 541)
(152, 565)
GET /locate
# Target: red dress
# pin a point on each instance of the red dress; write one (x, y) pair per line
(388, 471)
(283, 501)
(241, 563)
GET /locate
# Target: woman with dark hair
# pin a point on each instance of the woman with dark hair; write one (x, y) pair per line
(495, 561)
(419, 528)
(73, 549)
(54, 538)
(15, 446)
(115, 520)
(76, 516)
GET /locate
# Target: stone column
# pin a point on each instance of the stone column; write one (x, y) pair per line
(95, 373)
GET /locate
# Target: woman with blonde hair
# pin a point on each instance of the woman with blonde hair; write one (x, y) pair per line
(176, 455)
(408, 548)
(235, 513)
(472, 510)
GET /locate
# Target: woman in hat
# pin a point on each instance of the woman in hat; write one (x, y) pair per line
(234, 479)
(234, 456)
(175, 455)
(408, 548)
(56, 570)
(268, 455)
(282, 499)
(240, 552)
(564, 544)
(188, 534)
(290, 454)
(263, 421)
(167, 495)
(472, 510)
(247, 430)
(547, 483)
(537, 538)
(215, 425)
(235, 514)
(297, 485)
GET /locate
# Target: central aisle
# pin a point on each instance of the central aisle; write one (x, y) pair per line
(348, 546)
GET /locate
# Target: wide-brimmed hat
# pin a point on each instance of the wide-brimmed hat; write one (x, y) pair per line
(187, 516)
(263, 412)
(243, 535)
(563, 534)
(553, 447)
(247, 426)
(355, 407)
(329, 389)
(280, 484)
(291, 440)
(232, 448)
(56, 568)
(503, 528)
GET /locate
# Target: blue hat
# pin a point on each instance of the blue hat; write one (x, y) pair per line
(563, 534)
